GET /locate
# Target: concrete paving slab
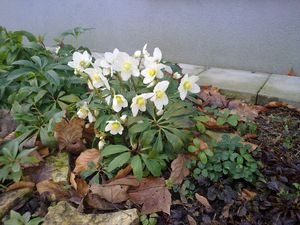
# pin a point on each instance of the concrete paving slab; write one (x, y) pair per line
(281, 88)
(191, 69)
(235, 83)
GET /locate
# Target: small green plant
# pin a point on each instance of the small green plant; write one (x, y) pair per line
(200, 120)
(16, 218)
(230, 159)
(188, 189)
(247, 128)
(149, 220)
(225, 117)
(12, 159)
(203, 154)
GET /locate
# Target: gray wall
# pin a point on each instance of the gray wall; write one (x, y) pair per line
(256, 35)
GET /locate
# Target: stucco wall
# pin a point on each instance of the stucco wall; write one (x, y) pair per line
(256, 35)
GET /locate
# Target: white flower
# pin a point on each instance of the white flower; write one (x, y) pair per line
(80, 61)
(152, 84)
(107, 99)
(85, 112)
(188, 84)
(127, 65)
(151, 72)
(156, 58)
(97, 79)
(145, 52)
(137, 54)
(139, 103)
(57, 49)
(160, 112)
(114, 127)
(106, 62)
(160, 98)
(119, 102)
(123, 118)
(177, 75)
(101, 144)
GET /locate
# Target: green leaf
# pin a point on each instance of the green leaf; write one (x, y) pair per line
(158, 145)
(139, 127)
(221, 121)
(239, 160)
(70, 98)
(200, 127)
(152, 165)
(233, 120)
(147, 137)
(137, 168)
(52, 77)
(16, 167)
(203, 119)
(18, 73)
(46, 139)
(118, 161)
(197, 142)
(203, 158)
(192, 148)
(209, 152)
(37, 60)
(114, 149)
(173, 140)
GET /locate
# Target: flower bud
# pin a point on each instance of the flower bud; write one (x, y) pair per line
(101, 144)
(151, 84)
(123, 118)
(177, 75)
(137, 54)
(160, 112)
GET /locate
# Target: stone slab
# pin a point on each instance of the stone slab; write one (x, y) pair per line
(191, 69)
(235, 83)
(281, 88)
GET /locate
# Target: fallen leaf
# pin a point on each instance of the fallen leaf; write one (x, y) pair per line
(275, 104)
(248, 195)
(8, 137)
(69, 135)
(201, 199)
(44, 151)
(51, 188)
(153, 195)
(82, 162)
(179, 170)
(253, 146)
(123, 172)
(212, 96)
(79, 185)
(212, 124)
(20, 185)
(96, 202)
(244, 110)
(115, 191)
(226, 210)
(291, 72)
(191, 220)
(249, 136)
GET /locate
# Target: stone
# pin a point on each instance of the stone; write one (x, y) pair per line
(59, 167)
(281, 88)
(240, 84)
(65, 214)
(11, 199)
(191, 69)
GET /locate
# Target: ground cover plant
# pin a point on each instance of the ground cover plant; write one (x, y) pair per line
(117, 131)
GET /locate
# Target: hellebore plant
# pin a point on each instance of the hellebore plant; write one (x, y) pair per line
(137, 104)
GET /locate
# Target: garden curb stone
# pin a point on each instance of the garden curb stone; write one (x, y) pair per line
(191, 69)
(280, 88)
(235, 83)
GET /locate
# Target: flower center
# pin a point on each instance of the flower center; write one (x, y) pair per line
(140, 101)
(83, 63)
(127, 66)
(119, 99)
(152, 72)
(187, 85)
(115, 125)
(96, 77)
(159, 94)
(83, 110)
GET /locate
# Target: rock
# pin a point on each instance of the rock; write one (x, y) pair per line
(11, 199)
(65, 214)
(191, 69)
(59, 165)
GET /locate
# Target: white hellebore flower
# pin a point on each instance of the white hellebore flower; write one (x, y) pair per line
(151, 72)
(139, 103)
(156, 58)
(85, 112)
(97, 79)
(80, 61)
(106, 62)
(123, 118)
(114, 127)
(188, 84)
(119, 102)
(160, 98)
(127, 65)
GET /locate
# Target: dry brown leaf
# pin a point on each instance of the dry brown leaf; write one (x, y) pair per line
(96, 202)
(211, 96)
(249, 136)
(69, 135)
(201, 199)
(123, 172)
(275, 104)
(179, 170)
(253, 146)
(226, 210)
(79, 185)
(248, 195)
(51, 188)
(244, 110)
(191, 220)
(20, 185)
(212, 124)
(89, 155)
(153, 195)
(44, 151)
(115, 191)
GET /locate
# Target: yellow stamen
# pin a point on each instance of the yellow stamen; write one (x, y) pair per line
(119, 99)
(140, 101)
(115, 125)
(152, 72)
(83, 63)
(127, 66)
(159, 94)
(96, 77)
(187, 85)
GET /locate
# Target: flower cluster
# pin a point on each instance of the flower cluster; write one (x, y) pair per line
(142, 75)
